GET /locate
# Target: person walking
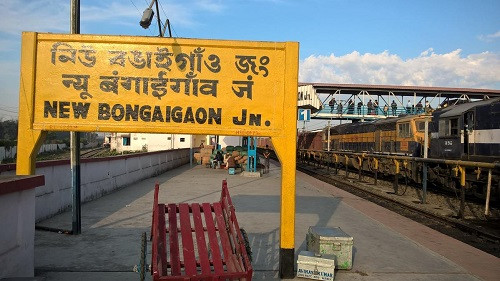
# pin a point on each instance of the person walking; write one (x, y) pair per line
(408, 107)
(350, 107)
(339, 108)
(428, 108)
(386, 109)
(375, 106)
(370, 107)
(360, 105)
(419, 107)
(332, 104)
(266, 154)
(394, 107)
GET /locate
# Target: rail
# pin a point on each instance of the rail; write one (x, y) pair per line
(458, 167)
(494, 165)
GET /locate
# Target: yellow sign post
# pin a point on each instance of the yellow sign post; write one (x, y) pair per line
(90, 83)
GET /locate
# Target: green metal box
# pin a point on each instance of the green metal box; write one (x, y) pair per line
(331, 241)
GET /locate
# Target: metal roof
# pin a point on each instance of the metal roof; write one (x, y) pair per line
(461, 108)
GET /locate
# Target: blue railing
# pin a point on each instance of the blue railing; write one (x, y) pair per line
(366, 112)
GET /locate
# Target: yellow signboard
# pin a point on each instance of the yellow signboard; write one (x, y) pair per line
(162, 85)
(144, 84)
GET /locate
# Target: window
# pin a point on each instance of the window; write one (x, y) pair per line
(404, 130)
(420, 126)
(448, 127)
(454, 127)
(126, 141)
(443, 128)
(183, 139)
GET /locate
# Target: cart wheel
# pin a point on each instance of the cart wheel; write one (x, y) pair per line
(247, 243)
(142, 263)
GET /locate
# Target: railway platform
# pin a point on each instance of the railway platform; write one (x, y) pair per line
(387, 246)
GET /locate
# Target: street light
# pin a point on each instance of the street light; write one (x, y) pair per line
(147, 18)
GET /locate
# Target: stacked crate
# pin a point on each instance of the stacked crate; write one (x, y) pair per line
(203, 157)
(239, 158)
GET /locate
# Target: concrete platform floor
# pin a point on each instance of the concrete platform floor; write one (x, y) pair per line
(386, 245)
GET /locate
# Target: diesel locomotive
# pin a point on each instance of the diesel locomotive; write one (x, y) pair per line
(468, 131)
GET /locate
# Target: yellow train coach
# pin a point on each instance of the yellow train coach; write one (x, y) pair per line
(403, 136)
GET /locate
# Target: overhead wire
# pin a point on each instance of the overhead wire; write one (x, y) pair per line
(167, 18)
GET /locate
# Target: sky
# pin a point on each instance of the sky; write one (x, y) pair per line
(442, 43)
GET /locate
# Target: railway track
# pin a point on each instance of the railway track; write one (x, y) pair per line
(484, 235)
(93, 152)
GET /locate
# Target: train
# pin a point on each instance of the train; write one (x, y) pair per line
(467, 131)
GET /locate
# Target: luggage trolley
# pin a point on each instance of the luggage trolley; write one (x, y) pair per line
(197, 241)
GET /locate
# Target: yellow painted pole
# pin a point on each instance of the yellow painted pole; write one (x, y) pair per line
(286, 154)
(375, 166)
(286, 148)
(488, 194)
(28, 140)
(360, 163)
(396, 176)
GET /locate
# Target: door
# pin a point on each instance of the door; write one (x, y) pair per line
(468, 133)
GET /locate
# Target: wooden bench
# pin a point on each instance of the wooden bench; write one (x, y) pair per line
(198, 241)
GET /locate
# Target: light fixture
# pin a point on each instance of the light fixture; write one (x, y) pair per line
(147, 17)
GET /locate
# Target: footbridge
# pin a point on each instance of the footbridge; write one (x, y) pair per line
(372, 102)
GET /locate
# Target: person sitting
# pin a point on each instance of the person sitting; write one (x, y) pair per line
(218, 160)
(231, 162)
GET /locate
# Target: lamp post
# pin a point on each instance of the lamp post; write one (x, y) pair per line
(76, 226)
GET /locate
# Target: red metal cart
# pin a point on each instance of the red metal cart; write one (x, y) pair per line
(198, 241)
